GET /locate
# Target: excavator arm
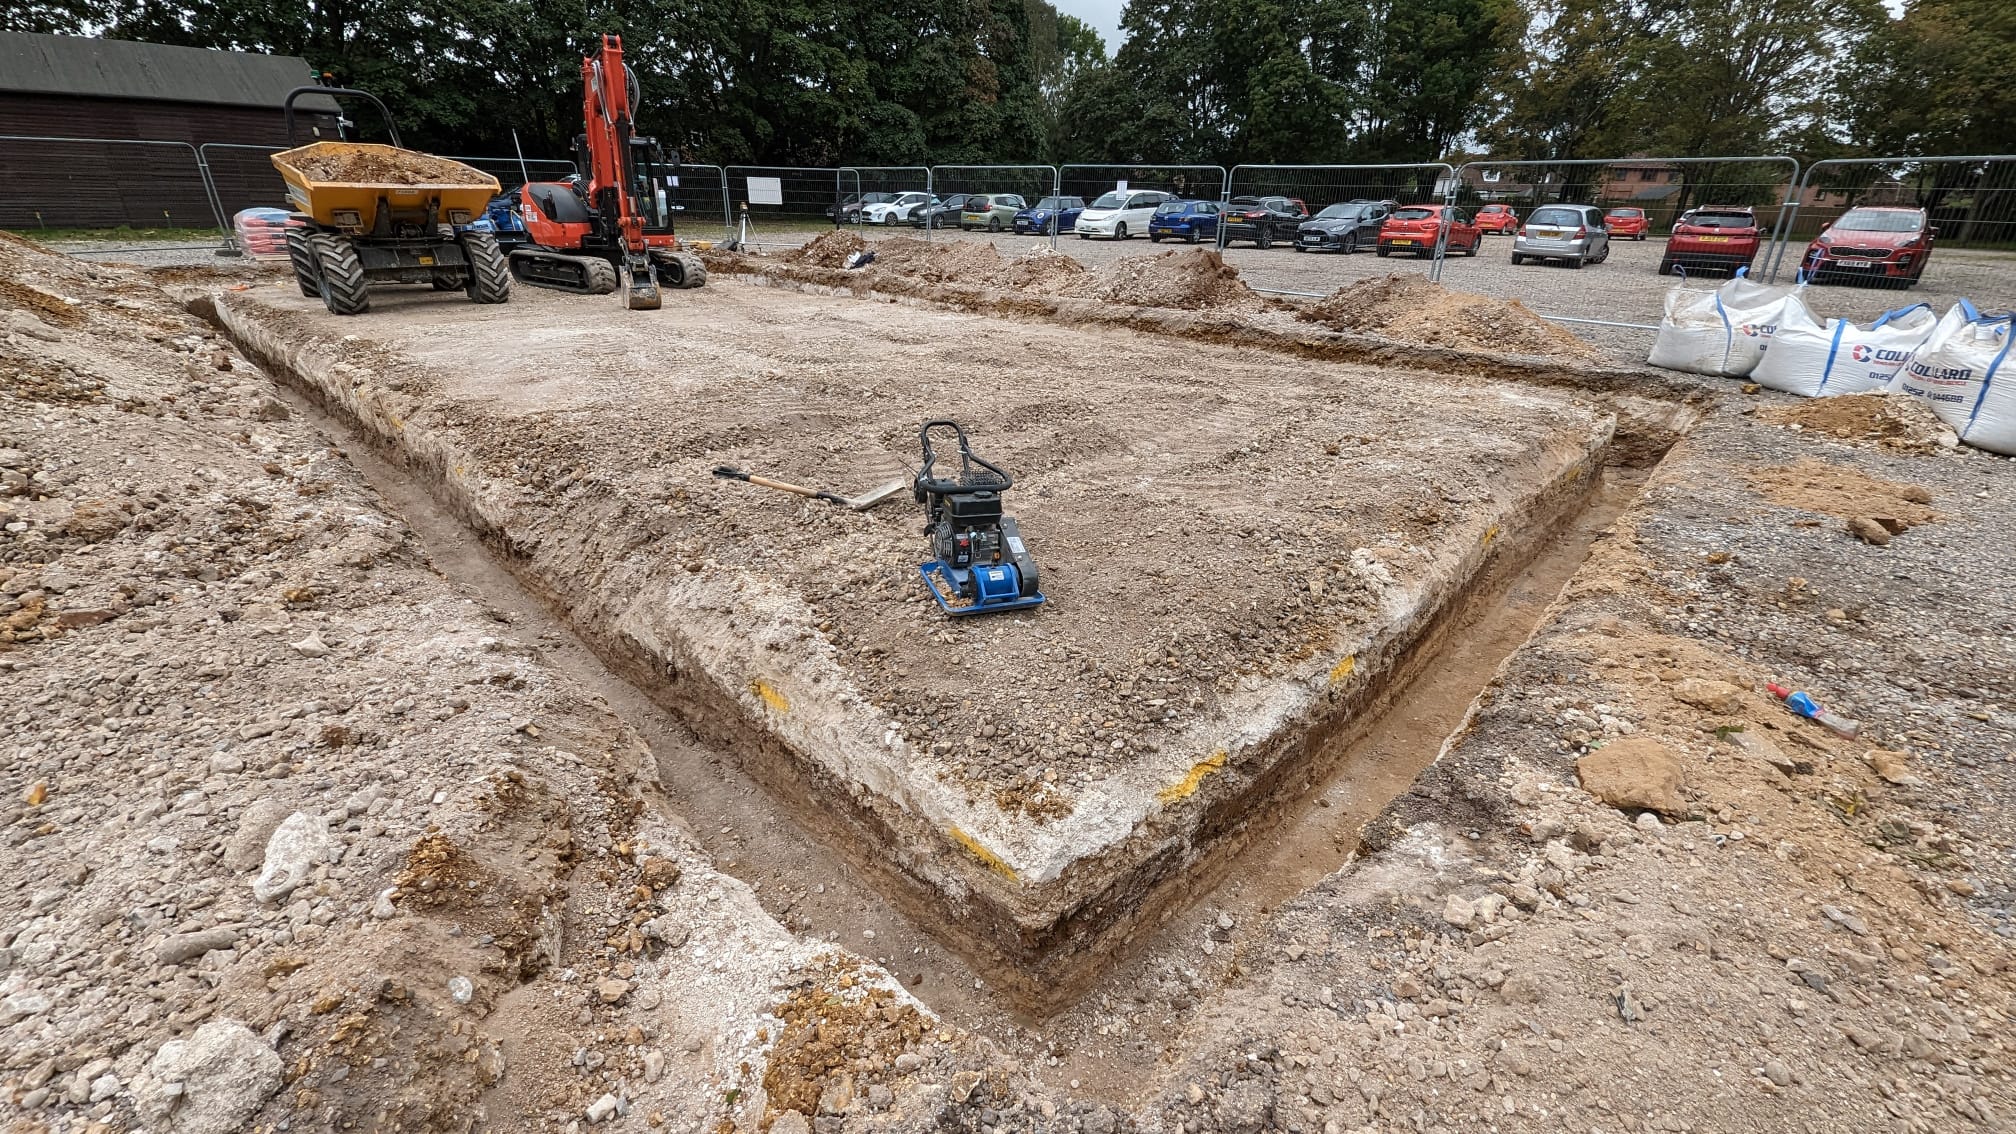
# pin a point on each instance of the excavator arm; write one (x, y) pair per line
(609, 102)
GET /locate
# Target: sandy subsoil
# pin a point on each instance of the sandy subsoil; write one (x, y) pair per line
(1814, 936)
(383, 165)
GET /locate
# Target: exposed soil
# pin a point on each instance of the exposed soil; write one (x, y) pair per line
(1901, 423)
(1818, 939)
(1408, 307)
(1815, 485)
(828, 251)
(381, 165)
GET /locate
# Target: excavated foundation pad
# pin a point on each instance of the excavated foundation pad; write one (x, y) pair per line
(1240, 552)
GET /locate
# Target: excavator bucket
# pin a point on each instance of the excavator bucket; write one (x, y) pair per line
(641, 290)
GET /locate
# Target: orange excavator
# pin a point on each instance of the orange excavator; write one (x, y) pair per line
(611, 226)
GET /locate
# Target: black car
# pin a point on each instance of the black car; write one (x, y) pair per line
(1263, 220)
(1343, 227)
(944, 214)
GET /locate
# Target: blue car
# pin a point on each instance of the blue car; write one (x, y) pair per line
(1051, 214)
(1189, 220)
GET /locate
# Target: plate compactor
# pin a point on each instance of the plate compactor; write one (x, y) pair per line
(981, 563)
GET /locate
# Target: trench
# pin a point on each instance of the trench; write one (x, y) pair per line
(811, 880)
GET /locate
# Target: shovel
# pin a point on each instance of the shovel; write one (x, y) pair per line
(859, 503)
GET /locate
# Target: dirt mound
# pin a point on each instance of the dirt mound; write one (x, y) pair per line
(953, 261)
(385, 167)
(1041, 269)
(1194, 281)
(1410, 308)
(829, 250)
(1812, 485)
(1892, 422)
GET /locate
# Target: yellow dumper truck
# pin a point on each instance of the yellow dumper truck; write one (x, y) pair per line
(366, 213)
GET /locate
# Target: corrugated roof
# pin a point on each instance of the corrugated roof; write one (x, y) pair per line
(118, 68)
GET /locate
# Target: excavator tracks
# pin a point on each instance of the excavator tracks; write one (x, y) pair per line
(680, 269)
(582, 275)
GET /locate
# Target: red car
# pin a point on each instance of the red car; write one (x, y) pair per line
(1497, 220)
(1414, 228)
(1721, 237)
(1626, 224)
(1888, 244)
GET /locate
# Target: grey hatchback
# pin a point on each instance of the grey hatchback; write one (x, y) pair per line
(1574, 234)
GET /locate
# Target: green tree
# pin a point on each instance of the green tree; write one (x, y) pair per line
(1559, 97)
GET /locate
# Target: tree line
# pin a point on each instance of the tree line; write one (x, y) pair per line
(908, 82)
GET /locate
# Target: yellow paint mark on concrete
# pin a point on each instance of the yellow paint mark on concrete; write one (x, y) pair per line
(992, 861)
(1490, 534)
(1187, 786)
(771, 696)
(1343, 669)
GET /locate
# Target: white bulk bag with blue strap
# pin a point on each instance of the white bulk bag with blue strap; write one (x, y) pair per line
(1817, 359)
(1963, 372)
(1723, 331)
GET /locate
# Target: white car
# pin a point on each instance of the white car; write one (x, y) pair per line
(1119, 214)
(897, 211)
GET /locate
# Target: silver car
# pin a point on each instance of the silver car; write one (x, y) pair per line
(1571, 233)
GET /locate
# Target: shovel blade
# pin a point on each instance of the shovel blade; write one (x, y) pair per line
(877, 495)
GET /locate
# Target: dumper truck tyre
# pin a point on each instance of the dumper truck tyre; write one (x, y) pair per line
(344, 289)
(489, 271)
(303, 258)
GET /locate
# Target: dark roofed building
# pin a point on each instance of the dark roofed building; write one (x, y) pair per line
(76, 87)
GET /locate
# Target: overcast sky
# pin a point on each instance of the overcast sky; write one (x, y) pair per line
(1103, 15)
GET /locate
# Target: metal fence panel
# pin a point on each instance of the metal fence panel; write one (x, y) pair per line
(810, 200)
(1032, 183)
(1969, 202)
(105, 183)
(1190, 182)
(879, 184)
(1319, 186)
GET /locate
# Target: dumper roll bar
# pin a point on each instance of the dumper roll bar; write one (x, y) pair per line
(336, 92)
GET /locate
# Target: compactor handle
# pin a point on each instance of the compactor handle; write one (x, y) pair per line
(337, 92)
(998, 481)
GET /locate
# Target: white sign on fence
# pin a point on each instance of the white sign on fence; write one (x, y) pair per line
(1119, 186)
(766, 190)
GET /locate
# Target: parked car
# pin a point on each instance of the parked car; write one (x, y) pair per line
(849, 210)
(1572, 234)
(1683, 218)
(1722, 237)
(1263, 220)
(1497, 220)
(991, 211)
(1415, 228)
(1120, 214)
(1885, 244)
(1627, 224)
(945, 212)
(1343, 227)
(1188, 220)
(1051, 214)
(897, 210)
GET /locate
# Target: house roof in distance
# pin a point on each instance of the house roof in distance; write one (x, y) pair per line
(31, 62)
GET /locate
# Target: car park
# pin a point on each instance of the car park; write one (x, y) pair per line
(991, 211)
(1572, 234)
(945, 212)
(1343, 227)
(1878, 244)
(1263, 220)
(1051, 214)
(1184, 220)
(897, 210)
(849, 210)
(1627, 224)
(1497, 220)
(1416, 228)
(1120, 214)
(1716, 237)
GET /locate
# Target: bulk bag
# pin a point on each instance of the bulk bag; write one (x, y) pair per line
(1817, 359)
(1723, 331)
(1962, 372)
